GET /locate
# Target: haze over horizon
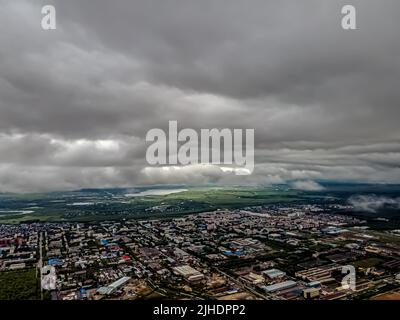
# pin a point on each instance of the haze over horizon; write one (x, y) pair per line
(76, 102)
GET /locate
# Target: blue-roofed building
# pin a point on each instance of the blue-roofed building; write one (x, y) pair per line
(55, 262)
(238, 252)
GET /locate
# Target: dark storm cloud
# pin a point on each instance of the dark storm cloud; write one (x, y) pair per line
(76, 103)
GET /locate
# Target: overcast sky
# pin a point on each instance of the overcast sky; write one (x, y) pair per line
(76, 102)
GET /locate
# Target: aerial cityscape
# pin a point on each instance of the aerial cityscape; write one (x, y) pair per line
(199, 153)
(285, 249)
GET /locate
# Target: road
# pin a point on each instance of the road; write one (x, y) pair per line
(40, 262)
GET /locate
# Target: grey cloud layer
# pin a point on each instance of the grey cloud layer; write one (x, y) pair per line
(76, 103)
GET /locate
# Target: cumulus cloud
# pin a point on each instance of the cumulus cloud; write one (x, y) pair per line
(373, 203)
(307, 185)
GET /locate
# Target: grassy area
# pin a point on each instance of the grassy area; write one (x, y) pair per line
(384, 236)
(14, 219)
(234, 196)
(176, 204)
(368, 262)
(19, 285)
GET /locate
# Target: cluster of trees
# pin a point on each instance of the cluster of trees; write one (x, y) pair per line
(19, 285)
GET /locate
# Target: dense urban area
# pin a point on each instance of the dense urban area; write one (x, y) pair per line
(292, 252)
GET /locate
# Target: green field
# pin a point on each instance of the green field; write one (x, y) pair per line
(19, 285)
(234, 196)
(368, 262)
(107, 207)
